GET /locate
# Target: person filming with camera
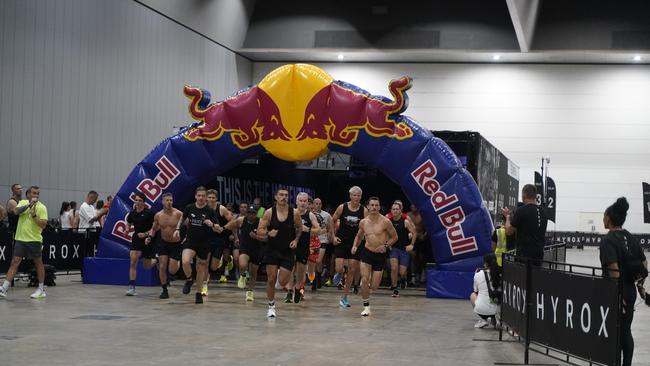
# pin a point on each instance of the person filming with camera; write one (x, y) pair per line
(621, 256)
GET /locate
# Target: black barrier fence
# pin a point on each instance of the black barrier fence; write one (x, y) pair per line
(63, 249)
(562, 309)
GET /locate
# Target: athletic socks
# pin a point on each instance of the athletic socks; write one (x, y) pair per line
(131, 283)
(41, 286)
(164, 287)
(366, 302)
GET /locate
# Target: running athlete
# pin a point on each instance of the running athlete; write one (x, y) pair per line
(141, 218)
(170, 249)
(218, 238)
(326, 237)
(309, 226)
(400, 254)
(379, 235)
(251, 247)
(282, 226)
(201, 221)
(349, 214)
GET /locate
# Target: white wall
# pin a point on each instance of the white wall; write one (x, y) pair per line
(89, 87)
(593, 121)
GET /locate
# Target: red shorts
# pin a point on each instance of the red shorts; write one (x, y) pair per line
(314, 249)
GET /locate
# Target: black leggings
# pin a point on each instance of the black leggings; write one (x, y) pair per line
(627, 342)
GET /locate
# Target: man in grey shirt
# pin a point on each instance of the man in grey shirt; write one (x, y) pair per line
(326, 238)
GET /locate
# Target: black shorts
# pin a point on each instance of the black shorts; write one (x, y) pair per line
(201, 249)
(359, 253)
(329, 249)
(302, 253)
(172, 250)
(343, 250)
(217, 245)
(148, 251)
(376, 260)
(254, 251)
(280, 258)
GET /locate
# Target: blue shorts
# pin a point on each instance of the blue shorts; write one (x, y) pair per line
(403, 257)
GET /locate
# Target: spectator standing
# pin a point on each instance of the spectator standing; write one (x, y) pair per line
(529, 223)
(12, 202)
(65, 216)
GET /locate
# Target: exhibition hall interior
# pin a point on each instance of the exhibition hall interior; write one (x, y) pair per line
(361, 182)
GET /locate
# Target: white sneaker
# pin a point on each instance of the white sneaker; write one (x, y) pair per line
(131, 291)
(38, 294)
(481, 323)
(3, 292)
(271, 312)
(366, 311)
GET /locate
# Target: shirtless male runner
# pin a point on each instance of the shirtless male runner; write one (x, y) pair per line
(282, 225)
(380, 235)
(170, 248)
(349, 214)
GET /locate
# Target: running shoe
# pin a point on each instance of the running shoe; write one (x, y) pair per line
(3, 292)
(343, 302)
(164, 294)
(481, 323)
(187, 287)
(249, 296)
(223, 279)
(395, 292)
(296, 296)
(289, 298)
(198, 299)
(230, 264)
(131, 291)
(271, 312)
(40, 294)
(204, 289)
(242, 281)
(328, 283)
(366, 311)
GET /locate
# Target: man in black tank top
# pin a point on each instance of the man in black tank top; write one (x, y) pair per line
(348, 215)
(251, 247)
(12, 202)
(400, 253)
(201, 221)
(217, 238)
(282, 226)
(309, 226)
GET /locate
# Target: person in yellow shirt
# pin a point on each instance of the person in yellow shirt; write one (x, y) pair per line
(32, 218)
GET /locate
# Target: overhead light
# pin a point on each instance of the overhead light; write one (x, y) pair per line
(340, 56)
(496, 57)
(637, 58)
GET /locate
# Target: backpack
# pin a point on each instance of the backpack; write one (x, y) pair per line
(494, 293)
(633, 268)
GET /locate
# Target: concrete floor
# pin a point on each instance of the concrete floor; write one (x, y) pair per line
(97, 325)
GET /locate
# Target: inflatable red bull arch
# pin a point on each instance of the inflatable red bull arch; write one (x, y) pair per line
(298, 112)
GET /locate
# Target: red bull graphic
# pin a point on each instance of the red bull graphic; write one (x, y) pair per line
(297, 113)
(250, 117)
(338, 113)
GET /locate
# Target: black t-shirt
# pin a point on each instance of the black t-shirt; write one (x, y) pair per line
(349, 223)
(197, 231)
(142, 222)
(402, 233)
(611, 251)
(530, 221)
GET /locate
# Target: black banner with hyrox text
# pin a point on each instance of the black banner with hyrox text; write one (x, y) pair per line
(573, 313)
(64, 250)
(576, 238)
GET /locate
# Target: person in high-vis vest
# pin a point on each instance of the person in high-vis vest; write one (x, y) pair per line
(499, 243)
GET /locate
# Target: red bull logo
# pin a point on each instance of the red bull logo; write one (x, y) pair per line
(296, 111)
(450, 218)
